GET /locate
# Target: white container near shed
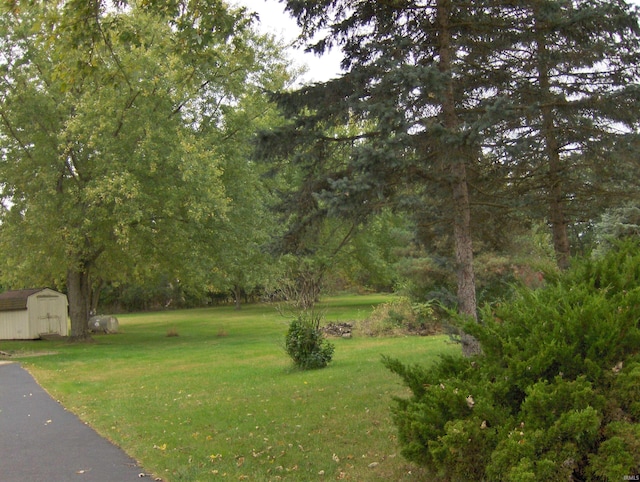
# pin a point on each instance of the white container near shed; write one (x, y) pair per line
(103, 324)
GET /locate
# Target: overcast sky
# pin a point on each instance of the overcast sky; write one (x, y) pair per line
(274, 20)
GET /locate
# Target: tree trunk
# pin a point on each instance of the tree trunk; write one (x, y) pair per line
(467, 303)
(95, 297)
(555, 194)
(460, 192)
(557, 218)
(78, 292)
(237, 293)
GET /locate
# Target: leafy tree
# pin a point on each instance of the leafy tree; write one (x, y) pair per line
(370, 259)
(244, 263)
(114, 122)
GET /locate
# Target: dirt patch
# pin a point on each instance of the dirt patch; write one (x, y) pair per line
(24, 354)
(338, 329)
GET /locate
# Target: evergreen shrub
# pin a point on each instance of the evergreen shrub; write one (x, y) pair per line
(555, 395)
(306, 344)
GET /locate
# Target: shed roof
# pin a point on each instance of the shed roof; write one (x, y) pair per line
(17, 299)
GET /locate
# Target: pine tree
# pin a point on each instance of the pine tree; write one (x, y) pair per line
(414, 93)
(538, 100)
(572, 83)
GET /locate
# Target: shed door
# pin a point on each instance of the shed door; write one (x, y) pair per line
(48, 313)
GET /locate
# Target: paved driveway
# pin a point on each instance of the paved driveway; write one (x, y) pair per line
(41, 442)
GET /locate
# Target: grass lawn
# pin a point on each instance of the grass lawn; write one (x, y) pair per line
(222, 401)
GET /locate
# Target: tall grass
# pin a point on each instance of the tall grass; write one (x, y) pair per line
(221, 399)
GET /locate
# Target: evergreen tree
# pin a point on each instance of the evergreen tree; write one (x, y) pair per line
(572, 83)
(415, 90)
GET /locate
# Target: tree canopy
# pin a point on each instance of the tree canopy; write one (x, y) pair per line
(126, 129)
(116, 121)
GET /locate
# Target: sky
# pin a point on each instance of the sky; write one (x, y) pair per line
(274, 20)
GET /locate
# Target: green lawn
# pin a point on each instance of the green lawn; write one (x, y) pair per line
(221, 400)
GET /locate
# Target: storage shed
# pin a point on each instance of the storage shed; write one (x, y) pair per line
(28, 314)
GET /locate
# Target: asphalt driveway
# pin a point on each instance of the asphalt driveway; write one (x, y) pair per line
(41, 442)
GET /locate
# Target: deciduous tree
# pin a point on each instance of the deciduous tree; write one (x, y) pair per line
(114, 119)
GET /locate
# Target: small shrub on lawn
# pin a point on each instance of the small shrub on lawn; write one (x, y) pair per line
(555, 394)
(306, 344)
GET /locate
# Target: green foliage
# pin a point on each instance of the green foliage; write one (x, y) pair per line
(617, 453)
(369, 260)
(523, 255)
(306, 344)
(555, 394)
(615, 224)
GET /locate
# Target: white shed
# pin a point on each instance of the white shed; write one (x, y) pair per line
(28, 314)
